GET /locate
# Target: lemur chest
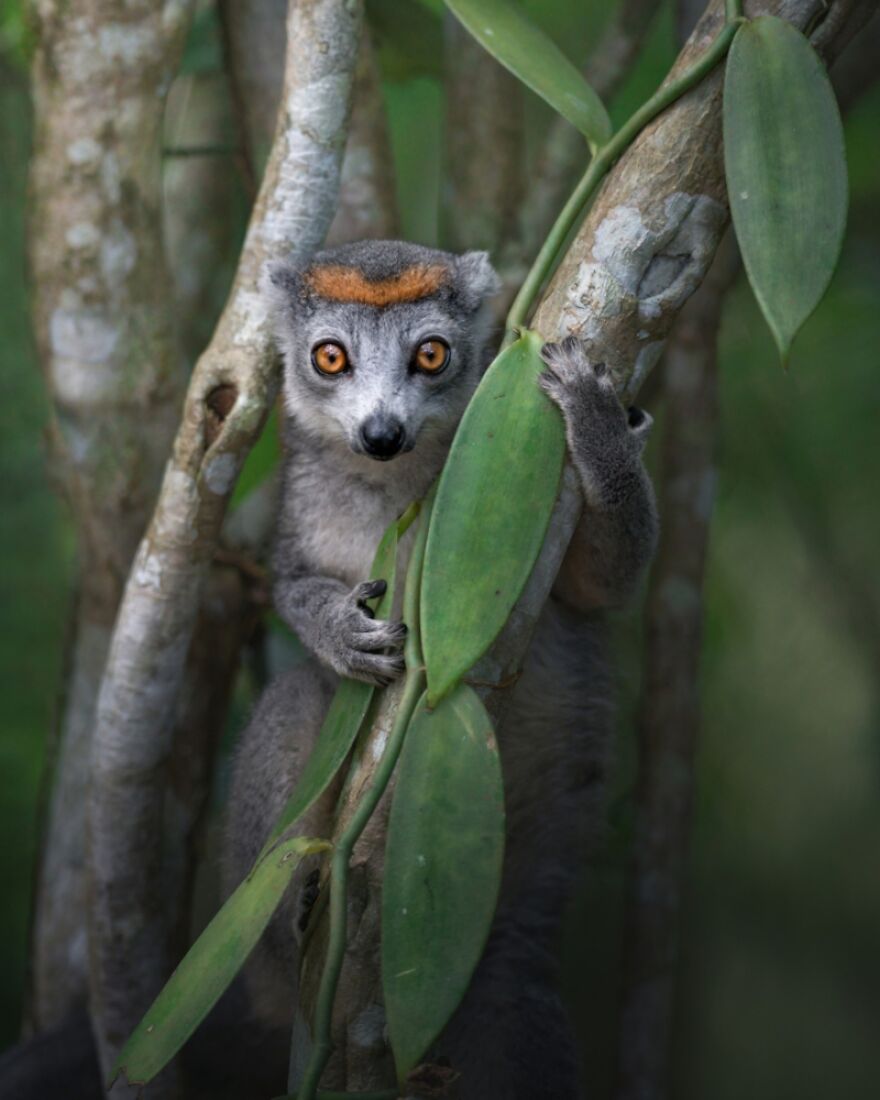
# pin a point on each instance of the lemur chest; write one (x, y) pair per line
(341, 518)
(341, 543)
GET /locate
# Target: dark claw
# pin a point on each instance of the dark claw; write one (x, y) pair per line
(373, 588)
(600, 370)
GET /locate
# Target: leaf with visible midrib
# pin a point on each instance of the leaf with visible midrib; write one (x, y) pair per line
(786, 170)
(211, 963)
(502, 29)
(442, 869)
(493, 505)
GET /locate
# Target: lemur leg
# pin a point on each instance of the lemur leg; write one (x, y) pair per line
(336, 624)
(618, 532)
(268, 760)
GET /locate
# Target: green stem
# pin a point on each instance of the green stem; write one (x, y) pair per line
(413, 689)
(614, 148)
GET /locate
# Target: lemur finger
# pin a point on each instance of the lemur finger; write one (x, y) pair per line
(368, 590)
(377, 668)
(380, 634)
(571, 348)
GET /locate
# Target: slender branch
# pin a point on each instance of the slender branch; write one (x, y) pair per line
(229, 396)
(254, 36)
(367, 199)
(669, 713)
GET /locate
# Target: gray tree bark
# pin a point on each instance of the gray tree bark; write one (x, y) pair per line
(229, 396)
(102, 321)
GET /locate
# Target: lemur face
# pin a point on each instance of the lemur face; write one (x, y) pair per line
(383, 343)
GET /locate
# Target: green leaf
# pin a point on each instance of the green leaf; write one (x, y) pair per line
(211, 963)
(493, 504)
(442, 869)
(786, 170)
(263, 458)
(502, 29)
(409, 38)
(351, 701)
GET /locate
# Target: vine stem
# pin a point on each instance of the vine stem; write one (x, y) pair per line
(413, 689)
(605, 158)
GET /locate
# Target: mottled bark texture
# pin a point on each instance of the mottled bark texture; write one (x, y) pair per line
(564, 152)
(255, 38)
(231, 391)
(102, 321)
(642, 250)
(367, 207)
(255, 41)
(669, 715)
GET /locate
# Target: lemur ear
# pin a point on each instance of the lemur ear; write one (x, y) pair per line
(280, 285)
(476, 279)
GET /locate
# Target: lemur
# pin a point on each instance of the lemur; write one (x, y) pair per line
(384, 343)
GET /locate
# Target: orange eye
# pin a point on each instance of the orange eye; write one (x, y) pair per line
(329, 358)
(432, 356)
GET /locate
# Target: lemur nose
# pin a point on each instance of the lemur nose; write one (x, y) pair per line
(382, 436)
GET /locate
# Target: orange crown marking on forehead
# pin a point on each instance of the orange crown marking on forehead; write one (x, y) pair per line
(346, 284)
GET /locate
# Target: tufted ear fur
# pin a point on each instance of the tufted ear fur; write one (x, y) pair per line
(281, 287)
(476, 279)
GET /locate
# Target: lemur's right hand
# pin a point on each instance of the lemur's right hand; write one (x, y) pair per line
(357, 645)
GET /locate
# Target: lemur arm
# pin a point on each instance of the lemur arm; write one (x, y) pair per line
(617, 534)
(334, 622)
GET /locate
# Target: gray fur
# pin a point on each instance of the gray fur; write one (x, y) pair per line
(509, 1038)
(337, 500)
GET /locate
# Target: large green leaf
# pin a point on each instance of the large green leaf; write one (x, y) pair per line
(502, 29)
(442, 869)
(493, 505)
(351, 701)
(786, 170)
(211, 963)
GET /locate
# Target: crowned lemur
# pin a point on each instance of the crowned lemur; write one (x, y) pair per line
(383, 343)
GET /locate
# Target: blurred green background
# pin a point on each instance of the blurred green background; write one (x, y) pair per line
(780, 991)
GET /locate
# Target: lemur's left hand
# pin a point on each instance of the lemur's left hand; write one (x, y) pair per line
(604, 438)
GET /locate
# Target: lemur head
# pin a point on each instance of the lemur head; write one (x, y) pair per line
(383, 342)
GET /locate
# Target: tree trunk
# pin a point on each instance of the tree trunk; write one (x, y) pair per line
(102, 321)
(229, 396)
